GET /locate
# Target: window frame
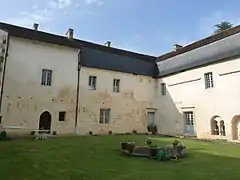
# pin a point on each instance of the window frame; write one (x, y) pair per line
(208, 79)
(46, 77)
(163, 89)
(62, 116)
(116, 85)
(92, 83)
(104, 116)
(189, 118)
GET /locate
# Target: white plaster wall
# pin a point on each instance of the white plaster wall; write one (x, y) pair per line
(24, 99)
(222, 100)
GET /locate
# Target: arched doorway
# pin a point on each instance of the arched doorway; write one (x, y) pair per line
(45, 121)
(214, 125)
(235, 127)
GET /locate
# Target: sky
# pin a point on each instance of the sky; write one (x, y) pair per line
(145, 26)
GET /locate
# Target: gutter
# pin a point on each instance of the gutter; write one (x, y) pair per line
(77, 98)
(4, 69)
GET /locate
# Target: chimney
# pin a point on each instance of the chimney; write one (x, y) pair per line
(108, 44)
(35, 26)
(176, 47)
(69, 34)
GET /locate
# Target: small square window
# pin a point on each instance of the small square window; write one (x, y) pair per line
(92, 81)
(46, 77)
(116, 85)
(163, 89)
(62, 116)
(208, 80)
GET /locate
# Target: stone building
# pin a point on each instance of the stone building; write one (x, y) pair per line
(71, 86)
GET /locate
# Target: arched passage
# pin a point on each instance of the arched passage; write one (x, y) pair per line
(235, 127)
(215, 125)
(45, 121)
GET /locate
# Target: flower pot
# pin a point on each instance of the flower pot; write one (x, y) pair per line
(130, 147)
(153, 152)
(124, 145)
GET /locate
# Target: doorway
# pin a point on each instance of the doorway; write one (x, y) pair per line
(150, 118)
(45, 121)
(189, 123)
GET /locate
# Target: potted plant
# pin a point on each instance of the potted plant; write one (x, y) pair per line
(127, 145)
(130, 147)
(153, 151)
(175, 143)
(152, 128)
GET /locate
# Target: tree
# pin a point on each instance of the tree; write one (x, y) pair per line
(222, 26)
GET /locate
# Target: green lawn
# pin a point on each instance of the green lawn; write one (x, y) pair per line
(99, 158)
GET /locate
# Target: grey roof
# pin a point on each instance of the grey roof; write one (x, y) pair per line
(109, 61)
(211, 53)
(93, 55)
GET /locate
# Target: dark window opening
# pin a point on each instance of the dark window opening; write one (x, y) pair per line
(163, 89)
(62, 116)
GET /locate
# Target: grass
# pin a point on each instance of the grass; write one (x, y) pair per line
(99, 158)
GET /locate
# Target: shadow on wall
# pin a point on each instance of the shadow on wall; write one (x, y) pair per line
(168, 117)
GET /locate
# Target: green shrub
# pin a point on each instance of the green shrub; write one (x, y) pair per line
(152, 128)
(3, 136)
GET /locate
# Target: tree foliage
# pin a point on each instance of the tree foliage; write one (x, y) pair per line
(225, 25)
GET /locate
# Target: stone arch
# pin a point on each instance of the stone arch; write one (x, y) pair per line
(215, 125)
(235, 127)
(45, 121)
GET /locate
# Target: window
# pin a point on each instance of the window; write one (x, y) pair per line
(104, 116)
(92, 81)
(116, 85)
(163, 89)
(189, 118)
(61, 116)
(208, 80)
(0, 119)
(46, 77)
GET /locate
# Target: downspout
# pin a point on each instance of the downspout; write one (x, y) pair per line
(78, 82)
(4, 69)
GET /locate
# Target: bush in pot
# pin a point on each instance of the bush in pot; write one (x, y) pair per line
(153, 151)
(152, 128)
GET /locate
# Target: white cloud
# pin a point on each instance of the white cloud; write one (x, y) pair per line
(28, 18)
(91, 2)
(60, 4)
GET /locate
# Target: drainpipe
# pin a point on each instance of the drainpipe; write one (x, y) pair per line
(78, 82)
(4, 69)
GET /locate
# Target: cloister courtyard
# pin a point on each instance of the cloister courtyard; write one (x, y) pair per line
(100, 157)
